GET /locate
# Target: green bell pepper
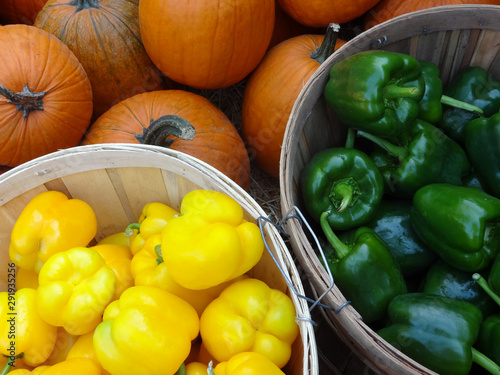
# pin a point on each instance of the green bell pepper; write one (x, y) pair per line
(447, 281)
(366, 91)
(392, 223)
(343, 181)
(461, 224)
(436, 331)
(422, 155)
(364, 270)
(488, 341)
(472, 85)
(482, 143)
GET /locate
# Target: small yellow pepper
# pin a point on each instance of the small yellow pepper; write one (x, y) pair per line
(74, 366)
(149, 269)
(84, 347)
(196, 368)
(250, 316)
(148, 331)
(116, 238)
(75, 286)
(48, 224)
(247, 363)
(210, 242)
(118, 258)
(22, 329)
(153, 219)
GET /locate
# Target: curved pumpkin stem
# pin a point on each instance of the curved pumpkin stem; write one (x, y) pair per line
(85, 4)
(159, 129)
(328, 45)
(26, 100)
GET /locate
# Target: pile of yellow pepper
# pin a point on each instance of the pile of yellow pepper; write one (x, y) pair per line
(168, 295)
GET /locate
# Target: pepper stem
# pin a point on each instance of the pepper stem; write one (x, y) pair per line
(485, 362)
(397, 151)
(129, 230)
(484, 284)
(393, 91)
(159, 130)
(351, 136)
(182, 369)
(341, 249)
(452, 102)
(159, 255)
(346, 191)
(8, 365)
(327, 47)
(210, 370)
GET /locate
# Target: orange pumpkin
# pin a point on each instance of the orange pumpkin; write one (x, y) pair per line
(181, 120)
(20, 11)
(206, 44)
(388, 9)
(105, 36)
(45, 95)
(272, 90)
(320, 13)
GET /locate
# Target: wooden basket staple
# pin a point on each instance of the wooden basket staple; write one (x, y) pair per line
(117, 180)
(452, 37)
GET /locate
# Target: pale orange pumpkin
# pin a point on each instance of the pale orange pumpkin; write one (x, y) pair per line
(45, 95)
(272, 90)
(206, 44)
(181, 120)
(105, 36)
(388, 9)
(320, 13)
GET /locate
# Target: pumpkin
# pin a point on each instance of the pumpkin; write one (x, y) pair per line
(206, 44)
(20, 11)
(181, 120)
(45, 95)
(320, 13)
(272, 89)
(105, 36)
(388, 9)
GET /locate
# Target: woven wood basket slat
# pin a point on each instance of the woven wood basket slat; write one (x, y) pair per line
(452, 37)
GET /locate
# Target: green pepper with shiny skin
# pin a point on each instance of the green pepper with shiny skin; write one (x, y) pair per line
(488, 341)
(343, 181)
(364, 270)
(436, 331)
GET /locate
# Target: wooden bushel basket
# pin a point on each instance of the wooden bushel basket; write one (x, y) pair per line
(452, 37)
(117, 180)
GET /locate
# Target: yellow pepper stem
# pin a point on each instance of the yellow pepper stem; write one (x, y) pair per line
(8, 364)
(159, 259)
(210, 370)
(129, 231)
(182, 369)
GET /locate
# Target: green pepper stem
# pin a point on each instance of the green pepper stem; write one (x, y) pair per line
(327, 47)
(487, 363)
(351, 135)
(452, 102)
(210, 370)
(346, 191)
(394, 91)
(341, 249)
(397, 151)
(181, 370)
(8, 365)
(159, 255)
(129, 230)
(484, 284)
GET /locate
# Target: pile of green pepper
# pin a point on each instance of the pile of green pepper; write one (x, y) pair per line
(409, 207)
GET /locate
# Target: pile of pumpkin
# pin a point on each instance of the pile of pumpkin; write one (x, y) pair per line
(114, 71)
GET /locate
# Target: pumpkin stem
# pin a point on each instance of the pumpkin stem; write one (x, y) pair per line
(169, 125)
(328, 46)
(26, 100)
(84, 4)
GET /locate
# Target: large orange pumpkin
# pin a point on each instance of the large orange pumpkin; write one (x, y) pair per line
(181, 120)
(320, 13)
(45, 95)
(105, 36)
(206, 44)
(388, 9)
(272, 90)
(20, 11)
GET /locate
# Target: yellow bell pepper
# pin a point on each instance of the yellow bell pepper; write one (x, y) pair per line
(210, 242)
(250, 316)
(74, 288)
(116, 238)
(62, 346)
(149, 269)
(196, 368)
(84, 347)
(247, 363)
(148, 331)
(22, 329)
(118, 258)
(74, 366)
(50, 223)
(36, 371)
(153, 219)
